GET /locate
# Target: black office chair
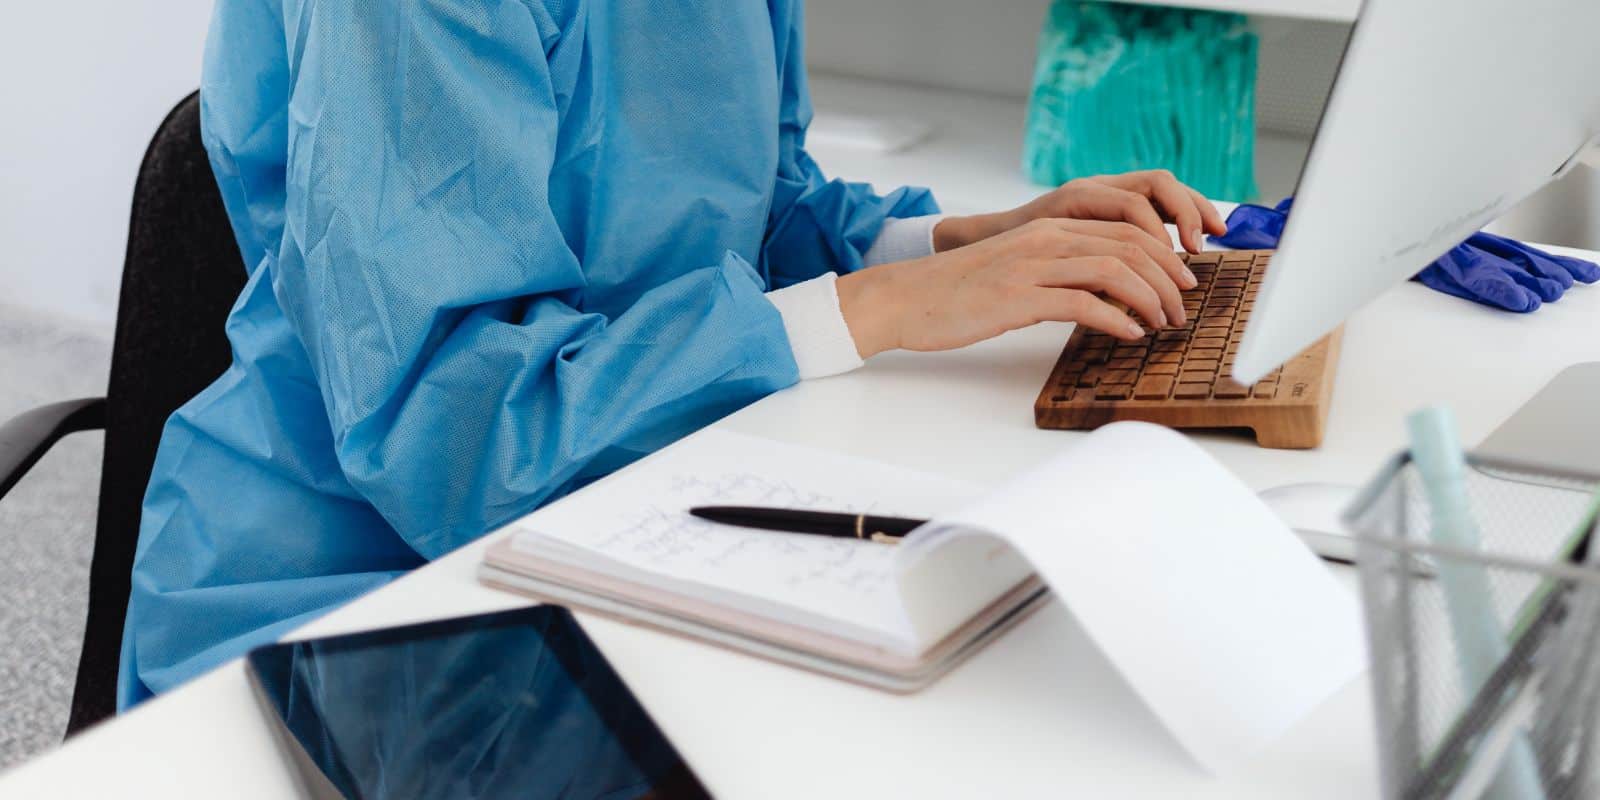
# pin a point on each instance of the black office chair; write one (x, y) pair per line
(181, 275)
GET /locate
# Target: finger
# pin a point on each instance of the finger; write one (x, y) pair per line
(1076, 305)
(1160, 252)
(1214, 222)
(1211, 219)
(1175, 199)
(1141, 262)
(1106, 202)
(1107, 275)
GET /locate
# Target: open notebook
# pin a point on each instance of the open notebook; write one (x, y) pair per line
(831, 605)
(1186, 581)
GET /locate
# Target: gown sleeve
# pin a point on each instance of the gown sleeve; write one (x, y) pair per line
(438, 302)
(818, 225)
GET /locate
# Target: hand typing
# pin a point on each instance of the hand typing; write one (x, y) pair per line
(1047, 269)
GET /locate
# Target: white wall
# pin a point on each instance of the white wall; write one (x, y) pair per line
(82, 87)
(950, 44)
(1565, 212)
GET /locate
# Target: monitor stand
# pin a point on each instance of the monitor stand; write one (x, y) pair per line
(1558, 431)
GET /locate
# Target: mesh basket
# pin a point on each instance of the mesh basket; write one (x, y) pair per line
(1457, 718)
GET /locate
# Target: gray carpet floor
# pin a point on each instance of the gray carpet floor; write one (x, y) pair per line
(46, 530)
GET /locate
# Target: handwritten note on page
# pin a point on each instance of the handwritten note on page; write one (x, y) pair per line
(639, 528)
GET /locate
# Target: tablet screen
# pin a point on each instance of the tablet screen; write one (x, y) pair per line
(515, 704)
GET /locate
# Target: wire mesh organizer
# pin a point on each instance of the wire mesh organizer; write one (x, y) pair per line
(1522, 721)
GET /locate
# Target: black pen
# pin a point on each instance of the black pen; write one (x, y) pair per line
(886, 530)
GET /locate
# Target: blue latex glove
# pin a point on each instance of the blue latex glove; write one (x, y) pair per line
(1469, 273)
(1549, 274)
(1253, 227)
(1488, 269)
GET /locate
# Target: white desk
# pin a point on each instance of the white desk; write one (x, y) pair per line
(1039, 713)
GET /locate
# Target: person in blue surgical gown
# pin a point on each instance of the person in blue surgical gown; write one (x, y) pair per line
(498, 248)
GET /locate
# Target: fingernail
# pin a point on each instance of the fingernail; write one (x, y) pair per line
(1163, 319)
(1135, 331)
(1189, 280)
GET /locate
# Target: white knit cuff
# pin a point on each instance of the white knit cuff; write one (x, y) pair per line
(818, 335)
(902, 238)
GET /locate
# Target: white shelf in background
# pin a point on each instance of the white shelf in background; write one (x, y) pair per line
(1333, 10)
(972, 155)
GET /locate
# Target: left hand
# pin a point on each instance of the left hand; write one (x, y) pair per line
(1147, 200)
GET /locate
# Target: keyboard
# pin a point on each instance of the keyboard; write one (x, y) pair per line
(1179, 377)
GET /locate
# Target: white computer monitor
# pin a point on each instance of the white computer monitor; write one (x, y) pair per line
(1444, 114)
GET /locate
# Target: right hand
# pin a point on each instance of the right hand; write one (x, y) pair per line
(1048, 269)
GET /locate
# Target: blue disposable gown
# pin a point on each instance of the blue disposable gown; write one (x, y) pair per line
(495, 249)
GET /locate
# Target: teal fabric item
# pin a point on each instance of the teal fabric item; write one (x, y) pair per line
(1120, 87)
(496, 250)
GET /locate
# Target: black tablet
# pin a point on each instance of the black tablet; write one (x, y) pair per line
(516, 704)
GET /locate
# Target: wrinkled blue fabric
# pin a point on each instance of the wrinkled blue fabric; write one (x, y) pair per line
(495, 250)
(1488, 269)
